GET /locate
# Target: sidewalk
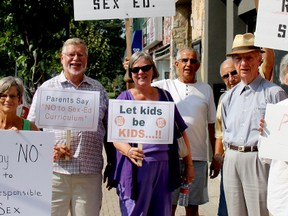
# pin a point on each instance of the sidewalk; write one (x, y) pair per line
(110, 205)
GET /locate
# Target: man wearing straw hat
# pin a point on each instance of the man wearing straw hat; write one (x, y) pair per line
(245, 176)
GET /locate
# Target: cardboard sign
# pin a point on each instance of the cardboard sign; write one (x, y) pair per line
(26, 173)
(273, 143)
(121, 9)
(62, 109)
(150, 122)
(272, 24)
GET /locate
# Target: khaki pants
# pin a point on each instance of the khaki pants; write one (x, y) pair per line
(245, 183)
(79, 194)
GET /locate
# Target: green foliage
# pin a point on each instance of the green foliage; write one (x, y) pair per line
(33, 33)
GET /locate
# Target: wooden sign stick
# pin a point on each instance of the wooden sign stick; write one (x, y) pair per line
(68, 141)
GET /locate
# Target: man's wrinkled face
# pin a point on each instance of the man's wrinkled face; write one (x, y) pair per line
(229, 74)
(247, 65)
(74, 59)
(187, 66)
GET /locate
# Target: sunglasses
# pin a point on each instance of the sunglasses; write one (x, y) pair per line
(143, 68)
(232, 73)
(185, 60)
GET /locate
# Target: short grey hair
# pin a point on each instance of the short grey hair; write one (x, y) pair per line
(9, 81)
(178, 56)
(283, 69)
(142, 54)
(74, 41)
(225, 61)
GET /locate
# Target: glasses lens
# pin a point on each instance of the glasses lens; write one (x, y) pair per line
(72, 55)
(225, 76)
(143, 68)
(192, 61)
(233, 73)
(4, 96)
(184, 60)
(146, 68)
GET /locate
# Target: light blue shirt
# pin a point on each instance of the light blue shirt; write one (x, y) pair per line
(242, 108)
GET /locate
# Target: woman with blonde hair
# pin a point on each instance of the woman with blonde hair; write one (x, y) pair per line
(11, 92)
(146, 190)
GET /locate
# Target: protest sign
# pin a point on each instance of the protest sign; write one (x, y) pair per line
(121, 9)
(141, 121)
(67, 108)
(272, 23)
(273, 143)
(26, 173)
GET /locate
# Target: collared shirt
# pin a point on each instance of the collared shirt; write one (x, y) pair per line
(86, 146)
(242, 108)
(218, 122)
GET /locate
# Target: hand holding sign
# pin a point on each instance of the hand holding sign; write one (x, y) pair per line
(136, 155)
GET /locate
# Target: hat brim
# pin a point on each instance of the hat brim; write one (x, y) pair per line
(244, 51)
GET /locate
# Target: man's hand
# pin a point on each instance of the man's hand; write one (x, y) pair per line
(107, 175)
(216, 166)
(60, 151)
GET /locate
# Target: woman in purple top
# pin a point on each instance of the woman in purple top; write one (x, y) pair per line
(146, 190)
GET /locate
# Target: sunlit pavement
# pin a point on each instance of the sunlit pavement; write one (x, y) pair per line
(110, 205)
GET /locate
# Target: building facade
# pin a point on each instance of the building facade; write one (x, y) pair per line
(208, 26)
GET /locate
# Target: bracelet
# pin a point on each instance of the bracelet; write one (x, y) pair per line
(128, 151)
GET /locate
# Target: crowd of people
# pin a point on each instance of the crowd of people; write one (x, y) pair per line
(147, 177)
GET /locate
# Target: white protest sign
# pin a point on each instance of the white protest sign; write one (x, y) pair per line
(63, 108)
(121, 9)
(26, 173)
(141, 121)
(273, 143)
(272, 23)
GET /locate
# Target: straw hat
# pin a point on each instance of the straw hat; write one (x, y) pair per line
(243, 44)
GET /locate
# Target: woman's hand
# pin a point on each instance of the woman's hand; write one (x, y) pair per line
(135, 154)
(60, 151)
(15, 129)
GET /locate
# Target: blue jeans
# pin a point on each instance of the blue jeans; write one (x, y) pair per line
(222, 208)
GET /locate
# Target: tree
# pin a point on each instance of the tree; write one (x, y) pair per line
(33, 33)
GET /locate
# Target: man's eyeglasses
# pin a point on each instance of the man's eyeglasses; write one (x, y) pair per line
(143, 68)
(185, 61)
(232, 73)
(72, 55)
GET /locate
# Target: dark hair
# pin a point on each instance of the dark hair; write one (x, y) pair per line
(136, 56)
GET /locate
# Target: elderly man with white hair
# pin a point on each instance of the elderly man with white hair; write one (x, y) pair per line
(245, 175)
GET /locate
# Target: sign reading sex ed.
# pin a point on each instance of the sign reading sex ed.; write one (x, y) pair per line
(26, 172)
(62, 109)
(141, 121)
(272, 24)
(121, 9)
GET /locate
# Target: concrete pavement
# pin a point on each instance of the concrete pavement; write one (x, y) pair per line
(110, 205)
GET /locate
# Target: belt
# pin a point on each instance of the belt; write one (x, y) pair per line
(243, 148)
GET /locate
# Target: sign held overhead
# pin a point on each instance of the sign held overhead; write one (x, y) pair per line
(121, 9)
